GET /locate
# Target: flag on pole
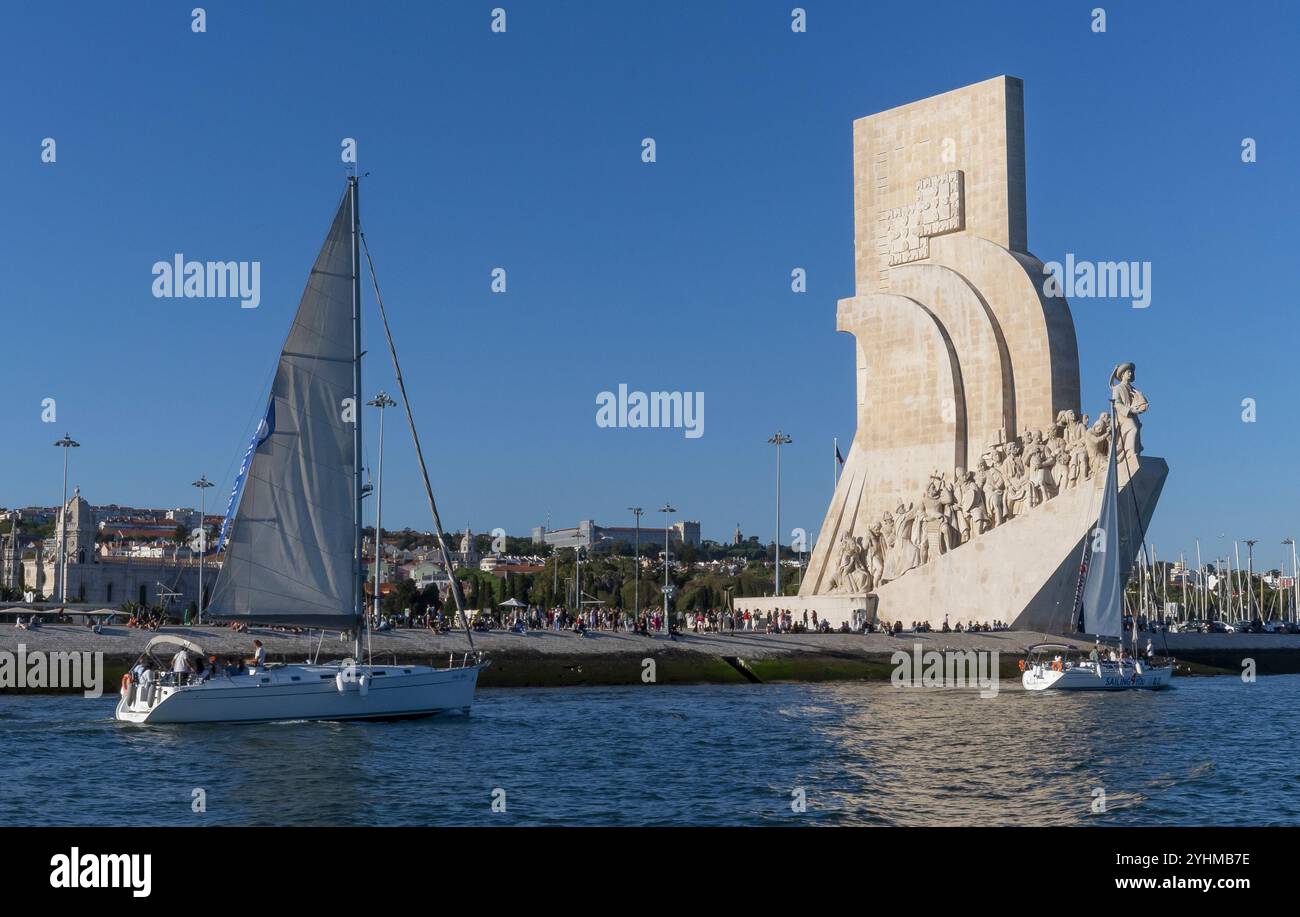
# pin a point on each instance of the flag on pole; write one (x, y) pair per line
(839, 458)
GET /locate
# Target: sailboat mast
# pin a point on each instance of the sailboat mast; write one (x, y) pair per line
(356, 401)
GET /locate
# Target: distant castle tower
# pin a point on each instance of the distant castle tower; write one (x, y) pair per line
(737, 538)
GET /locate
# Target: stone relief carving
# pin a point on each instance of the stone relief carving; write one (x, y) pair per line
(939, 209)
(1011, 478)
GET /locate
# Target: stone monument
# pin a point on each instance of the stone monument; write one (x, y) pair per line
(974, 474)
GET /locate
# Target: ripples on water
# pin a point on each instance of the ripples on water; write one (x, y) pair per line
(1213, 751)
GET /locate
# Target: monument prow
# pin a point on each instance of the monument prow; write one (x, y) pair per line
(967, 490)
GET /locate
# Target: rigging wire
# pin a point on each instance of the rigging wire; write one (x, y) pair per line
(419, 453)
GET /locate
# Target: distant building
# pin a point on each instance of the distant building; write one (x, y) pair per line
(183, 516)
(587, 534)
(11, 557)
(108, 580)
(500, 564)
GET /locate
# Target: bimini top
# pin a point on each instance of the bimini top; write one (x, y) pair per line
(1051, 646)
(168, 640)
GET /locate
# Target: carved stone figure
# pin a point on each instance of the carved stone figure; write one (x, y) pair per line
(1060, 453)
(1129, 403)
(859, 576)
(902, 554)
(972, 518)
(948, 503)
(1039, 463)
(844, 566)
(1013, 472)
(875, 549)
(995, 489)
(936, 503)
(1098, 438)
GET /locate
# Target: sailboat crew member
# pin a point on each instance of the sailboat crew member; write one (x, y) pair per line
(182, 666)
(259, 656)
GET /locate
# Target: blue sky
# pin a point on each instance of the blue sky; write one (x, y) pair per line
(522, 151)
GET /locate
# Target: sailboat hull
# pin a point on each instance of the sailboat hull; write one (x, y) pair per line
(1091, 676)
(304, 692)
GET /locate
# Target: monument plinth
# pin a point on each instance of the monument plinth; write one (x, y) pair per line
(973, 475)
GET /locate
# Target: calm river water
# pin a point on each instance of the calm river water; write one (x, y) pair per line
(1213, 751)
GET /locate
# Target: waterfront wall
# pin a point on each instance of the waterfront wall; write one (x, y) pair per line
(546, 658)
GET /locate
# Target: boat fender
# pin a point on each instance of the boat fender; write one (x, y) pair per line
(339, 683)
(363, 685)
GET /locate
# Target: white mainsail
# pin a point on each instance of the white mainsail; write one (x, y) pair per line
(291, 555)
(1103, 586)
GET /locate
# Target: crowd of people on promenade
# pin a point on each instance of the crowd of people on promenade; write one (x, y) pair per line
(595, 619)
(923, 627)
(601, 618)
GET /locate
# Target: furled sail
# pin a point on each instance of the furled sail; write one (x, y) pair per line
(290, 552)
(1103, 587)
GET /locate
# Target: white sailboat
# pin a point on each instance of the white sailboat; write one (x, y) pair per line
(292, 536)
(1065, 667)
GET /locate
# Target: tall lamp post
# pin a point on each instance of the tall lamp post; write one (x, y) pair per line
(636, 548)
(202, 484)
(1222, 608)
(1295, 582)
(778, 439)
(577, 581)
(667, 510)
(1250, 577)
(66, 443)
(1236, 576)
(380, 401)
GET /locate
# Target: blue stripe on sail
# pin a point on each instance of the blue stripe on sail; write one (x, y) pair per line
(261, 435)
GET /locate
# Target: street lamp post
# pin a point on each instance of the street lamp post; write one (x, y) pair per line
(577, 581)
(1295, 582)
(1222, 608)
(380, 401)
(667, 510)
(636, 548)
(1250, 577)
(66, 443)
(1235, 561)
(778, 439)
(202, 484)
